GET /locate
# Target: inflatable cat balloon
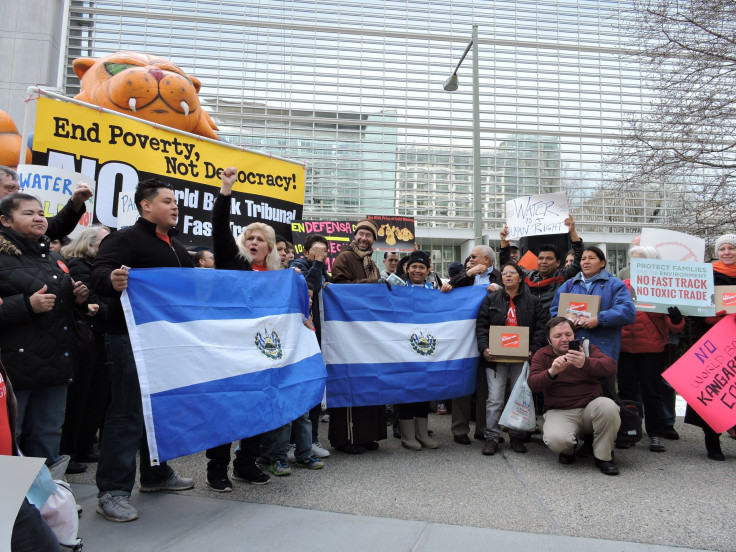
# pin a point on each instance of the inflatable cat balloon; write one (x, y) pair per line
(10, 142)
(144, 86)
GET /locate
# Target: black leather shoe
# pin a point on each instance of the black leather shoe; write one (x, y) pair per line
(607, 467)
(566, 458)
(76, 467)
(671, 433)
(461, 439)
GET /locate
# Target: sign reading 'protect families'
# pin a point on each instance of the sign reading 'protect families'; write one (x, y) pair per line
(118, 152)
(657, 285)
(537, 215)
(705, 376)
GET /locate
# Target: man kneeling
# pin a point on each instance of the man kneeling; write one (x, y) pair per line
(574, 397)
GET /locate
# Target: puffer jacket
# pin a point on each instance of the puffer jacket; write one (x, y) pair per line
(494, 310)
(80, 269)
(38, 350)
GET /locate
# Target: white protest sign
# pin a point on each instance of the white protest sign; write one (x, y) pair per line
(537, 215)
(127, 211)
(54, 187)
(657, 284)
(674, 246)
(16, 476)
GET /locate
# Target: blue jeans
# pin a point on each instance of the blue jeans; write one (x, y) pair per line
(275, 443)
(124, 431)
(40, 417)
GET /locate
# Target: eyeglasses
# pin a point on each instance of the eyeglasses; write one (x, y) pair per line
(509, 273)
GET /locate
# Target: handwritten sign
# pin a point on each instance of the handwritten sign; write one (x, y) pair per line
(54, 188)
(657, 284)
(537, 215)
(705, 376)
(674, 246)
(394, 233)
(338, 234)
(127, 211)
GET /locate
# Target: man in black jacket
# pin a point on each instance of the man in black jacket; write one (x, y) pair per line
(149, 243)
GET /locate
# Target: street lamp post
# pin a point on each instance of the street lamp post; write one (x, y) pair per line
(451, 85)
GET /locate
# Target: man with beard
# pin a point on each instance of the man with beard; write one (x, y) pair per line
(356, 429)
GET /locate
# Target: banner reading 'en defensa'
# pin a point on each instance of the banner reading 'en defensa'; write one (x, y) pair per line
(118, 152)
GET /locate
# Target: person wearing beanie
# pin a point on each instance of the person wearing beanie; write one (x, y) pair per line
(413, 416)
(354, 430)
(724, 274)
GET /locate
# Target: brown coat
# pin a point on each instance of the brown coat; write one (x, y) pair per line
(348, 269)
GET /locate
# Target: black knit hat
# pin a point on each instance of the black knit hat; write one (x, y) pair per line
(418, 256)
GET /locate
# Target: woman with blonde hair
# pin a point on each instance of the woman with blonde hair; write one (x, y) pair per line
(257, 245)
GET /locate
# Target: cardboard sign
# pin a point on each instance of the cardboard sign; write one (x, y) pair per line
(657, 285)
(674, 246)
(509, 343)
(127, 211)
(537, 215)
(118, 152)
(394, 233)
(528, 261)
(726, 299)
(705, 376)
(54, 188)
(578, 307)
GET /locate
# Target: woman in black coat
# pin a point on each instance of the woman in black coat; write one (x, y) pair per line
(514, 305)
(37, 336)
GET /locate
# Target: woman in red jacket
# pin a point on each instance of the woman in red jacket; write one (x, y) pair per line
(642, 359)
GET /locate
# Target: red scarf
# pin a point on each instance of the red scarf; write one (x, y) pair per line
(723, 268)
(545, 283)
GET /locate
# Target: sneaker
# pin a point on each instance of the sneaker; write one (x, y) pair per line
(671, 433)
(290, 453)
(116, 508)
(311, 463)
(254, 475)
(656, 445)
(441, 408)
(173, 483)
(221, 485)
(280, 468)
(318, 451)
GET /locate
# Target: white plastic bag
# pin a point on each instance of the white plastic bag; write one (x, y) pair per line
(60, 512)
(519, 410)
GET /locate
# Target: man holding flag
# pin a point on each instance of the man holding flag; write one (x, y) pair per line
(148, 243)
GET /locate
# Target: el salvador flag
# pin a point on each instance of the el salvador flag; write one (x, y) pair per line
(406, 345)
(221, 354)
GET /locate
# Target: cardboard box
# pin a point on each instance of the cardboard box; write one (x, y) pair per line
(509, 343)
(726, 299)
(578, 306)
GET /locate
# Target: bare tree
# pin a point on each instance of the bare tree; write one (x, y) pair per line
(684, 141)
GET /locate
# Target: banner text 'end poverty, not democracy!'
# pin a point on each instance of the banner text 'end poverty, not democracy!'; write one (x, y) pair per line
(180, 156)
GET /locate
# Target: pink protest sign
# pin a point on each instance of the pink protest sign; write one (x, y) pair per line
(705, 375)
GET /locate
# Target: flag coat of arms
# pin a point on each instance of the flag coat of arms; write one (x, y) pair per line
(221, 354)
(405, 345)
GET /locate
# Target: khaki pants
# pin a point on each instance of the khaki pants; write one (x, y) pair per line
(600, 417)
(461, 408)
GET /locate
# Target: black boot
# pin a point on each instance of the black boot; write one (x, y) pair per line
(713, 446)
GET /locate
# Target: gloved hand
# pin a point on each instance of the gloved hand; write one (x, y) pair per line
(384, 281)
(674, 314)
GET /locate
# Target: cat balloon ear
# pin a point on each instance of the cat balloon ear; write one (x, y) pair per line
(82, 65)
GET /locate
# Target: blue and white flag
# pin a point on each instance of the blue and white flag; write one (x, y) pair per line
(406, 345)
(221, 354)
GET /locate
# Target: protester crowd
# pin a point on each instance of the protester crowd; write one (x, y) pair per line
(75, 390)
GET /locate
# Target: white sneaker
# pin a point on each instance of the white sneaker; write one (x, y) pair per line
(318, 451)
(290, 453)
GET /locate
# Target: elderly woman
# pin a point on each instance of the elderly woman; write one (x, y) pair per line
(724, 274)
(513, 305)
(37, 337)
(642, 359)
(88, 396)
(616, 309)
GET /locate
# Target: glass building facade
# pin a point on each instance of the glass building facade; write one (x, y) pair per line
(354, 89)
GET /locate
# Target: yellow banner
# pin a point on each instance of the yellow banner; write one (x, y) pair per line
(90, 133)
